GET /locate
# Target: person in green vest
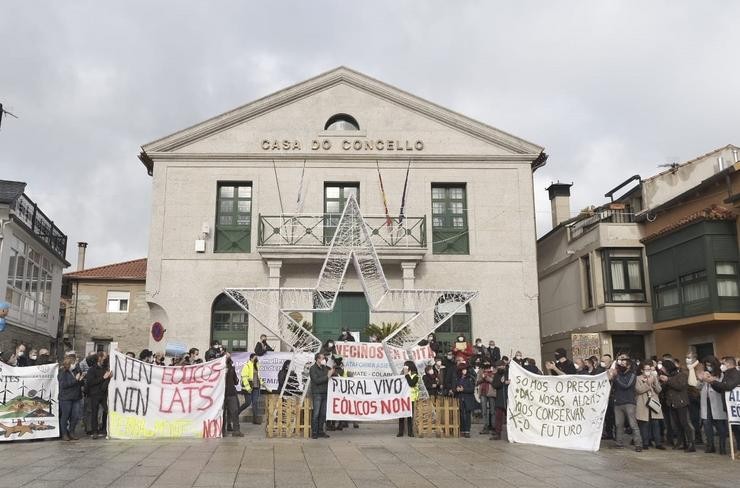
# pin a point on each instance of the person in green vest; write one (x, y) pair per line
(412, 377)
(251, 385)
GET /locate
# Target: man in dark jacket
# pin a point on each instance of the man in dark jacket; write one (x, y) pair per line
(493, 352)
(500, 384)
(262, 346)
(95, 389)
(215, 352)
(623, 380)
(730, 381)
(320, 374)
(346, 336)
(449, 381)
(562, 364)
(231, 402)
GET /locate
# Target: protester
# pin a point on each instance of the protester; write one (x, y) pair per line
(500, 384)
(412, 378)
(216, 351)
(231, 401)
(449, 377)
(32, 357)
(465, 390)
(487, 394)
(431, 381)
(70, 395)
(462, 349)
(580, 365)
(319, 374)
(623, 379)
(675, 383)
(193, 353)
(262, 346)
(431, 341)
(479, 349)
(561, 365)
(493, 352)
(648, 409)
(19, 358)
(251, 385)
(531, 365)
(44, 357)
(96, 392)
(694, 369)
(159, 359)
(518, 358)
(146, 355)
(131, 354)
(346, 336)
(329, 350)
(340, 372)
(712, 406)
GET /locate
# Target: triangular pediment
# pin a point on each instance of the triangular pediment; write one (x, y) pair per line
(291, 122)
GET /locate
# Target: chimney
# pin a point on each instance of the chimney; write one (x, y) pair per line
(81, 248)
(559, 202)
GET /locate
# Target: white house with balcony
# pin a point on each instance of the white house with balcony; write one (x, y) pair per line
(592, 274)
(251, 198)
(32, 257)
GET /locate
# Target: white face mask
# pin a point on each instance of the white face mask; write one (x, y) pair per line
(526, 364)
(322, 362)
(33, 357)
(723, 368)
(602, 364)
(689, 361)
(517, 357)
(21, 353)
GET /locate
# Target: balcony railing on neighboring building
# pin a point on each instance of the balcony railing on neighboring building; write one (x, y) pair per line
(600, 215)
(318, 230)
(40, 225)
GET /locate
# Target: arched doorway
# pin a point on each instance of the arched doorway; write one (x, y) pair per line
(229, 324)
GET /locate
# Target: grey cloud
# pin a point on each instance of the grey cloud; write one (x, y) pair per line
(609, 88)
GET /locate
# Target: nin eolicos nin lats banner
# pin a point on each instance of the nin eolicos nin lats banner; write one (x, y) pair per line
(147, 401)
(556, 411)
(28, 402)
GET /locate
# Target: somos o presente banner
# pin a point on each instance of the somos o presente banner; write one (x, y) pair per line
(369, 359)
(28, 402)
(364, 399)
(556, 411)
(147, 401)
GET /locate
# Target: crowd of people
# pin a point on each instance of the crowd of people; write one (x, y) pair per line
(658, 402)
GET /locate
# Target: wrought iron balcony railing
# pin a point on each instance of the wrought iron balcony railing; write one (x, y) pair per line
(318, 230)
(40, 225)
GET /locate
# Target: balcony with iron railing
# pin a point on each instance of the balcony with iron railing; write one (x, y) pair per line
(41, 226)
(314, 232)
(598, 216)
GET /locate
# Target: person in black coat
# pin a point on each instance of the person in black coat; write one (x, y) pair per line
(465, 389)
(346, 336)
(501, 385)
(412, 378)
(231, 401)
(449, 378)
(95, 388)
(493, 352)
(730, 380)
(431, 380)
(262, 346)
(562, 365)
(70, 396)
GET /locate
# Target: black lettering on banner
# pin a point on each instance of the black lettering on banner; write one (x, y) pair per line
(132, 400)
(131, 369)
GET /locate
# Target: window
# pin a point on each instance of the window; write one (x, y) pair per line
(341, 122)
(459, 324)
(229, 323)
(726, 279)
(335, 198)
(449, 220)
(694, 287)
(587, 294)
(666, 295)
(234, 217)
(623, 269)
(29, 282)
(118, 301)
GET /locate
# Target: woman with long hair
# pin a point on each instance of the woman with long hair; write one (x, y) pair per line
(412, 377)
(676, 384)
(712, 408)
(70, 396)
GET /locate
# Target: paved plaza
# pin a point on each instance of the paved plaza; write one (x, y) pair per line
(367, 457)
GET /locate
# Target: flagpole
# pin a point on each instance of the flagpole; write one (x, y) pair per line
(388, 220)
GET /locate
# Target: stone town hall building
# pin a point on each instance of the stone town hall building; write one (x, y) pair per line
(223, 190)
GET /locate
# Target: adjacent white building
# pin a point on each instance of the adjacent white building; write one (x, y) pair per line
(32, 257)
(224, 189)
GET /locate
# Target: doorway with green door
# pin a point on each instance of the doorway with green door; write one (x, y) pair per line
(350, 310)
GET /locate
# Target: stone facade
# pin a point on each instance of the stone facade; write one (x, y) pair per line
(268, 143)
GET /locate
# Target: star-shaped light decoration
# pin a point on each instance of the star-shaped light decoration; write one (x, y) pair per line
(278, 309)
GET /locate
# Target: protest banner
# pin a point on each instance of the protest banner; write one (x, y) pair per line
(732, 398)
(365, 399)
(585, 345)
(556, 411)
(369, 359)
(269, 365)
(147, 401)
(28, 402)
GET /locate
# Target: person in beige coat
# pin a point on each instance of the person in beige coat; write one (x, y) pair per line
(647, 387)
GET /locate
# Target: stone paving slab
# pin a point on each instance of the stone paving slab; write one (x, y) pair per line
(367, 457)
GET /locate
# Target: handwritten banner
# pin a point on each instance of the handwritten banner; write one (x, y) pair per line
(556, 411)
(146, 401)
(28, 402)
(270, 364)
(585, 345)
(732, 398)
(364, 399)
(369, 359)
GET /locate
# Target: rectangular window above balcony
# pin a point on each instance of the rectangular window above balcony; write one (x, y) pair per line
(233, 217)
(624, 275)
(335, 198)
(726, 279)
(449, 219)
(694, 287)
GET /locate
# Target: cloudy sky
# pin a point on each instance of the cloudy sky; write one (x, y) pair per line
(610, 88)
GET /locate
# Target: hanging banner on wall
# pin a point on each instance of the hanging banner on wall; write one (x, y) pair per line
(269, 365)
(28, 402)
(146, 401)
(368, 358)
(365, 399)
(556, 411)
(732, 398)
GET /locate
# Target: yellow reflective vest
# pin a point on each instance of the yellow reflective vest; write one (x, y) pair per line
(414, 389)
(248, 375)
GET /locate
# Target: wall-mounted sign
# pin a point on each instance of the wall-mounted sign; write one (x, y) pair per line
(349, 145)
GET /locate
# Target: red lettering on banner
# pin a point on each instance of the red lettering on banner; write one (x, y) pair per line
(212, 428)
(395, 405)
(181, 400)
(201, 373)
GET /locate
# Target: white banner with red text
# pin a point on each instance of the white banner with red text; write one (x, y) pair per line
(147, 401)
(369, 358)
(366, 399)
(29, 406)
(556, 411)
